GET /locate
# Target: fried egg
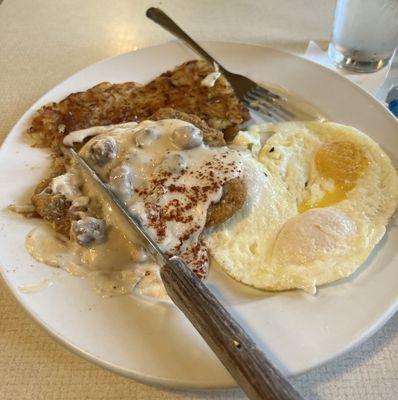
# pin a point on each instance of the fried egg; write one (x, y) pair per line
(329, 193)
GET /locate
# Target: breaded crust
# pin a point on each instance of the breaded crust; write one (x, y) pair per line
(50, 206)
(212, 137)
(234, 191)
(232, 199)
(53, 207)
(108, 103)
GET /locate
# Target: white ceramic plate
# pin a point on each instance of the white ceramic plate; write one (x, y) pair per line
(154, 342)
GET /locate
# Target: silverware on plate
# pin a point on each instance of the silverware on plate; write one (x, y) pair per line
(272, 106)
(247, 364)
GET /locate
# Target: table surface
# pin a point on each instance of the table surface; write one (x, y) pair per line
(43, 42)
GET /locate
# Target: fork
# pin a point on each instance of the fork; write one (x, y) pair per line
(270, 105)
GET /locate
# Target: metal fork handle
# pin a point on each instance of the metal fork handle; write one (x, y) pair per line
(158, 16)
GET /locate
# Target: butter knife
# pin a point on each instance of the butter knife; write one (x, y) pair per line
(247, 364)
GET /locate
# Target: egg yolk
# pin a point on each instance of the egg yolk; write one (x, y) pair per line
(343, 162)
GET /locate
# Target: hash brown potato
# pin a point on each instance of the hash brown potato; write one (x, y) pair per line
(108, 103)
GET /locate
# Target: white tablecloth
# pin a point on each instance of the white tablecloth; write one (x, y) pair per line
(41, 43)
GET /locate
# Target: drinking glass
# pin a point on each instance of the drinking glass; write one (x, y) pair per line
(365, 34)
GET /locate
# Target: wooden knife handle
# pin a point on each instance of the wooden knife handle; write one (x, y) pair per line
(247, 364)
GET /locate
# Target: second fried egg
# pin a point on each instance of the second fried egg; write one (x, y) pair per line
(339, 188)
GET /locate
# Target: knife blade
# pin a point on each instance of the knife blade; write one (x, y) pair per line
(241, 356)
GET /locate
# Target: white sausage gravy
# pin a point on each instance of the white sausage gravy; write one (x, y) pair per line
(166, 175)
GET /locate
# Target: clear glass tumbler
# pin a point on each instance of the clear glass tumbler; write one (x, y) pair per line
(365, 34)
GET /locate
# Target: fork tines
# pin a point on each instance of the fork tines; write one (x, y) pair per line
(267, 103)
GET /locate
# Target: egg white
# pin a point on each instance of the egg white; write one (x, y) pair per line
(269, 244)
